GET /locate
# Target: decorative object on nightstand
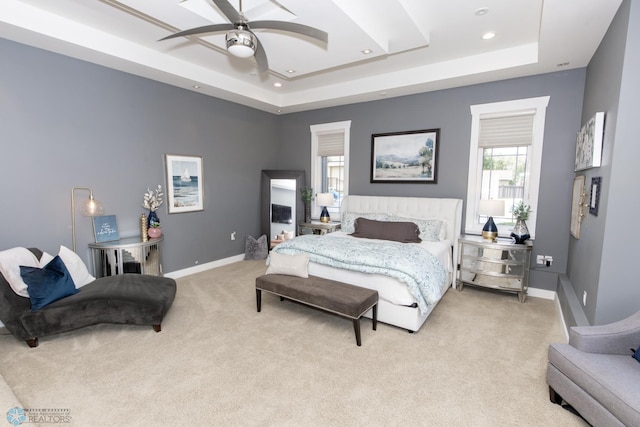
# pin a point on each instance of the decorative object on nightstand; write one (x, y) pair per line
(91, 207)
(490, 208)
(324, 200)
(520, 232)
(152, 201)
(143, 228)
(501, 265)
(306, 194)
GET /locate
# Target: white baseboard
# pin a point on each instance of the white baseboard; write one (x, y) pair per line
(204, 267)
(541, 293)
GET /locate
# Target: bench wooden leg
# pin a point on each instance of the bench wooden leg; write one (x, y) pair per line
(375, 317)
(259, 299)
(356, 327)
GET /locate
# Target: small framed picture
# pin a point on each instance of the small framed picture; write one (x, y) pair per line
(105, 228)
(410, 156)
(594, 200)
(184, 183)
(576, 205)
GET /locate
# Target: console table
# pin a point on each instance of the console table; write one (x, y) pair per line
(127, 255)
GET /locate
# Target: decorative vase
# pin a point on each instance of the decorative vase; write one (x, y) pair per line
(520, 232)
(152, 218)
(307, 212)
(154, 232)
(143, 228)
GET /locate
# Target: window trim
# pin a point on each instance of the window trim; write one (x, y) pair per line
(316, 163)
(539, 104)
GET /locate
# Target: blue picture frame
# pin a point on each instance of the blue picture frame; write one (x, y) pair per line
(105, 228)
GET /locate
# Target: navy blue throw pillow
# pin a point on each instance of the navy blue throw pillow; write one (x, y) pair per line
(636, 354)
(48, 284)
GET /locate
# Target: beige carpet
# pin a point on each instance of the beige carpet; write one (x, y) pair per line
(480, 360)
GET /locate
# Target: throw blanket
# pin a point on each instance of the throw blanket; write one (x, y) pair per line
(408, 262)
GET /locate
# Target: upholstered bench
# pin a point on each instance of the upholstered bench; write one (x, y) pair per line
(336, 297)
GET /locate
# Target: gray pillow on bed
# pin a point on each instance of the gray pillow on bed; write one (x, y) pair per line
(404, 232)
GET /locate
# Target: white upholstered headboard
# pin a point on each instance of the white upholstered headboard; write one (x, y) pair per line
(413, 207)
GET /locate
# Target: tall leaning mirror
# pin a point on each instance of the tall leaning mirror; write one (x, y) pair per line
(281, 206)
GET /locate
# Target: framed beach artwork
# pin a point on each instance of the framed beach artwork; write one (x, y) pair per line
(402, 157)
(589, 143)
(184, 183)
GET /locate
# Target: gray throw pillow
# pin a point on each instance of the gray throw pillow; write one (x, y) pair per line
(256, 248)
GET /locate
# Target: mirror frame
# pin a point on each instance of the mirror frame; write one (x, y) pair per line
(265, 197)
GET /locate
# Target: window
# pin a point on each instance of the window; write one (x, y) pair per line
(330, 163)
(505, 159)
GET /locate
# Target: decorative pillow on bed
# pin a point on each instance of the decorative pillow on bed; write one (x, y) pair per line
(430, 229)
(349, 218)
(404, 232)
(48, 284)
(636, 354)
(291, 265)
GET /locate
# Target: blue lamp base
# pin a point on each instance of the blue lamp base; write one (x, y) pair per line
(324, 215)
(490, 231)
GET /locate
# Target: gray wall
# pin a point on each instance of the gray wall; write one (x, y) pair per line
(67, 123)
(449, 111)
(600, 261)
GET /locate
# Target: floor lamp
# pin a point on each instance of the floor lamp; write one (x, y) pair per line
(90, 207)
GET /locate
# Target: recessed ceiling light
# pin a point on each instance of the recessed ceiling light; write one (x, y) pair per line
(196, 87)
(488, 36)
(277, 84)
(562, 64)
(366, 51)
(290, 71)
(482, 11)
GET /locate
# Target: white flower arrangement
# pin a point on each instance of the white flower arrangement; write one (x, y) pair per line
(153, 199)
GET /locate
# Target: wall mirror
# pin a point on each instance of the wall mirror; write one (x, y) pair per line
(281, 207)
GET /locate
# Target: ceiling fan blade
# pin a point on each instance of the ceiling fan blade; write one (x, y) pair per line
(229, 11)
(291, 27)
(261, 57)
(201, 30)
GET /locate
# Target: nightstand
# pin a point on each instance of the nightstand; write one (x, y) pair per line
(501, 265)
(318, 227)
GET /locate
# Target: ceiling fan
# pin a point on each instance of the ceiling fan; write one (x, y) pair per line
(241, 41)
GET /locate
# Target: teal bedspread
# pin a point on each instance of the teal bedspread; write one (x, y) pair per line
(409, 263)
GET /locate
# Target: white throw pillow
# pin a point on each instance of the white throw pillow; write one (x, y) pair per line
(291, 265)
(76, 267)
(10, 262)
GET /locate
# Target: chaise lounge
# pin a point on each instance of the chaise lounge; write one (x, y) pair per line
(124, 299)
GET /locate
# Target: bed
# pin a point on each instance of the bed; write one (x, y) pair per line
(401, 302)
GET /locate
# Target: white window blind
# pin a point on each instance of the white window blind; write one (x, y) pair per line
(512, 130)
(331, 144)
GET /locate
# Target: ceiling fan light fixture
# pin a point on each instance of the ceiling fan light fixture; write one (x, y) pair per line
(241, 43)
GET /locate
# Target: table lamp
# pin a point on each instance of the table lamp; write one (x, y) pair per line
(490, 208)
(324, 200)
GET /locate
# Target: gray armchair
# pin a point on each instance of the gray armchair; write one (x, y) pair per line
(596, 374)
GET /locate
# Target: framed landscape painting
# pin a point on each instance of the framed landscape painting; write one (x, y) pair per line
(184, 183)
(410, 156)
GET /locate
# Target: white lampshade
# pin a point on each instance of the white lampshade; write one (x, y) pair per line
(325, 199)
(241, 43)
(491, 207)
